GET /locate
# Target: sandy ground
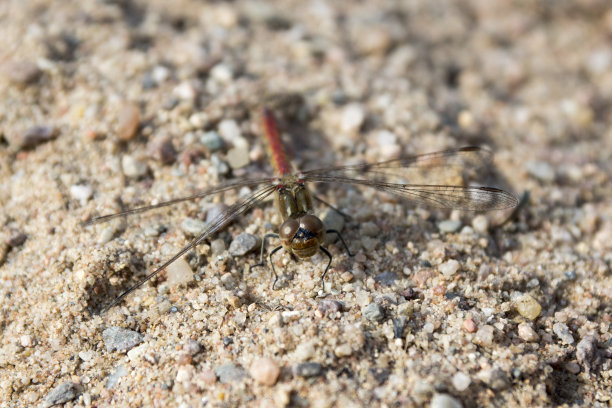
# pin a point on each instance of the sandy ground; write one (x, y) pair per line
(108, 105)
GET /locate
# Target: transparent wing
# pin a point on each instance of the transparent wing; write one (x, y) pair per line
(238, 208)
(210, 191)
(448, 164)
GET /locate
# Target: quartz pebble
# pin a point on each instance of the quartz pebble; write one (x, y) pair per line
(132, 167)
(386, 278)
(541, 170)
(495, 378)
(480, 223)
(243, 244)
(528, 307)
(128, 121)
(353, 116)
(120, 339)
(229, 373)
(449, 267)
(193, 226)
(444, 401)
(563, 332)
(179, 273)
(469, 325)
(461, 381)
(238, 157)
(265, 371)
(485, 335)
(81, 192)
(526, 333)
(113, 379)
(449, 226)
(62, 393)
(586, 351)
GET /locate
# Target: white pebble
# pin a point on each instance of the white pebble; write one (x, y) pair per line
(461, 381)
(133, 167)
(526, 333)
(229, 130)
(480, 223)
(26, 340)
(237, 157)
(179, 272)
(81, 192)
(352, 118)
(444, 401)
(449, 267)
(222, 73)
(265, 371)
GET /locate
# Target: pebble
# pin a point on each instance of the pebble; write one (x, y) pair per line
(586, 351)
(160, 74)
(26, 340)
(480, 223)
(495, 378)
(369, 229)
(563, 332)
(222, 73)
(528, 307)
(541, 170)
(113, 379)
(449, 267)
(219, 165)
(62, 393)
(332, 219)
(376, 41)
(308, 369)
(449, 226)
(343, 350)
(192, 347)
(81, 192)
(470, 325)
(120, 339)
(461, 381)
(238, 157)
(265, 371)
(444, 401)
(485, 336)
(212, 141)
(526, 333)
(106, 235)
(230, 372)
(34, 136)
(217, 246)
(327, 306)
(373, 312)
(398, 326)
(179, 273)
(229, 130)
(386, 278)
(353, 117)
(162, 149)
(22, 72)
(185, 91)
(243, 244)
(128, 121)
(133, 167)
(193, 226)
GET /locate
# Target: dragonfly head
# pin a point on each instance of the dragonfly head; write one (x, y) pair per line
(302, 235)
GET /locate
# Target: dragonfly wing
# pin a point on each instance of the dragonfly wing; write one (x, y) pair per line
(210, 191)
(452, 197)
(220, 221)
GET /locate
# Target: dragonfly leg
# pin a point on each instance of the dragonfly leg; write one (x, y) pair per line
(333, 231)
(275, 250)
(263, 249)
(326, 252)
(345, 215)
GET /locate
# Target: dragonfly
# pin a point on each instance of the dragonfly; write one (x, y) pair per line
(302, 233)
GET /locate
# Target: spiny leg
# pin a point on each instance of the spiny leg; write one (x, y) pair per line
(275, 250)
(326, 252)
(263, 249)
(333, 231)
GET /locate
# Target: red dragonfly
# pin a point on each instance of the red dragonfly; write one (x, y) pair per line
(302, 232)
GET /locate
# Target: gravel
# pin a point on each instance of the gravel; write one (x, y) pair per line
(120, 339)
(64, 392)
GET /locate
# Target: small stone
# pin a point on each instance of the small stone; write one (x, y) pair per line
(572, 367)
(133, 167)
(128, 121)
(470, 325)
(229, 130)
(265, 371)
(22, 72)
(34, 136)
(205, 378)
(444, 401)
(386, 278)
(398, 326)
(541, 170)
(62, 393)
(465, 119)
(162, 149)
(449, 226)
(193, 226)
(185, 91)
(461, 381)
(120, 339)
(308, 369)
(495, 378)
(373, 312)
(160, 74)
(26, 340)
(237, 157)
(304, 351)
(222, 73)
(449, 267)
(192, 347)
(480, 223)
(106, 235)
(353, 117)
(586, 351)
(563, 332)
(184, 373)
(179, 273)
(81, 192)
(219, 165)
(243, 244)
(369, 229)
(217, 246)
(229, 373)
(526, 333)
(485, 336)
(327, 306)
(212, 141)
(343, 350)
(113, 379)
(528, 307)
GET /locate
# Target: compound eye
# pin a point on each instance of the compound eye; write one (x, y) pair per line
(311, 223)
(289, 228)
